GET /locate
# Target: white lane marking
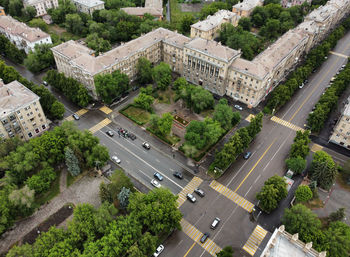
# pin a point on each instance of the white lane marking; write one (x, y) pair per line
(140, 159)
(127, 161)
(179, 242)
(257, 179)
(236, 174)
(248, 191)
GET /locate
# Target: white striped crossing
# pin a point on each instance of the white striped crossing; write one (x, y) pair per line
(255, 240)
(287, 124)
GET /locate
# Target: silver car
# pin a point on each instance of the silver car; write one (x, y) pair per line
(155, 183)
(238, 107)
(115, 159)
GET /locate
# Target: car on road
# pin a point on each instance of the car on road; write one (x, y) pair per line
(76, 116)
(302, 85)
(158, 176)
(199, 192)
(146, 145)
(247, 155)
(45, 83)
(110, 133)
(155, 183)
(204, 237)
(159, 250)
(178, 174)
(191, 198)
(115, 159)
(132, 136)
(238, 107)
(123, 132)
(215, 223)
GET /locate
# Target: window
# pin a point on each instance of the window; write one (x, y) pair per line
(37, 130)
(30, 134)
(18, 112)
(34, 104)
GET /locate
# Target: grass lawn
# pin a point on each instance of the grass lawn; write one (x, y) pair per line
(176, 13)
(70, 179)
(61, 32)
(166, 97)
(314, 203)
(138, 115)
(51, 193)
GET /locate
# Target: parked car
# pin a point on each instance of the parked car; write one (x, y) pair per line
(132, 136)
(178, 174)
(155, 183)
(115, 159)
(302, 85)
(158, 176)
(204, 237)
(45, 83)
(123, 132)
(215, 223)
(76, 116)
(110, 133)
(238, 107)
(146, 145)
(199, 192)
(247, 155)
(191, 198)
(159, 250)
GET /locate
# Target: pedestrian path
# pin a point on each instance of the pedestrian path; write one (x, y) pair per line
(189, 188)
(316, 147)
(286, 124)
(339, 54)
(249, 117)
(100, 125)
(196, 235)
(255, 240)
(105, 109)
(236, 198)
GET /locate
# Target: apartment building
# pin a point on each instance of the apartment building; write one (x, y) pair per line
(208, 28)
(341, 132)
(23, 36)
(2, 11)
(290, 3)
(41, 6)
(141, 11)
(20, 112)
(89, 6)
(245, 8)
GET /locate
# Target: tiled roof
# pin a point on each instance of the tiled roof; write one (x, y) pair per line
(213, 21)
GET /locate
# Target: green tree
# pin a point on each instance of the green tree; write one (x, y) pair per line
(280, 184)
(303, 193)
(165, 124)
(74, 23)
(144, 101)
(180, 82)
(144, 71)
(271, 29)
(245, 23)
(323, 170)
(148, 244)
(337, 241)
(135, 251)
(28, 13)
(72, 162)
(338, 215)
(225, 252)
(185, 23)
(223, 114)
(41, 181)
(40, 59)
(6, 209)
(23, 200)
(23, 250)
(123, 197)
(10, 51)
(212, 8)
(58, 14)
(97, 43)
(255, 125)
(268, 198)
(297, 165)
(15, 8)
(161, 74)
(110, 86)
(39, 23)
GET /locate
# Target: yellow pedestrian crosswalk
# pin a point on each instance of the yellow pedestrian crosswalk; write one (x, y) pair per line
(236, 198)
(316, 147)
(105, 109)
(69, 118)
(196, 235)
(100, 125)
(81, 112)
(255, 240)
(249, 117)
(339, 54)
(286, 124)
(189, 188)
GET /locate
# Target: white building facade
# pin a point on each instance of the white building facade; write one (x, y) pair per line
(88, 6)
(41, 6)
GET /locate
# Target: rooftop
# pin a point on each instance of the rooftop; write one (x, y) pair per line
(282, 244)
(140, 11)
(13, 96)
(1, 8)
(14, 27)
(346, 111)
(253, 69)
(322, 13)
(72, 49)
(89, 3)
(247, 5)
(308, 26)
(213, 48)
(213, 21)
(339, 3)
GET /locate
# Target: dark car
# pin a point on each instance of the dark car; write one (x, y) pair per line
(204, 237)
(146, 145)
(158, 176)
(178, 174)
(110, 133)
(76, 116)
(134, 88)
(247, 155)
(125, 94)
(199, 192)
(132, 136)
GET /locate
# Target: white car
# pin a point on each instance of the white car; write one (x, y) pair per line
(238, 107)
(155, 183)
(159, 250)
(115, 159)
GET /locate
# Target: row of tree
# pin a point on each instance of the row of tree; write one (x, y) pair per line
(39, 59)
(237, 144)
(10, 51)
(329, 100)
(53, 109)
(102, 232)
(29, 166)
(298, 152)
(333, 237)
(314, 59)
(71, 88)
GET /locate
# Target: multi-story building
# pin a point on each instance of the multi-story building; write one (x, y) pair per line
(341, 132)
(20, 112)
(23, 36)
(208, 28)
(281, 243)
(41, 6)
(2, 11)
(245, 8)
(290, 3)
(89, 6)
(141, 11)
